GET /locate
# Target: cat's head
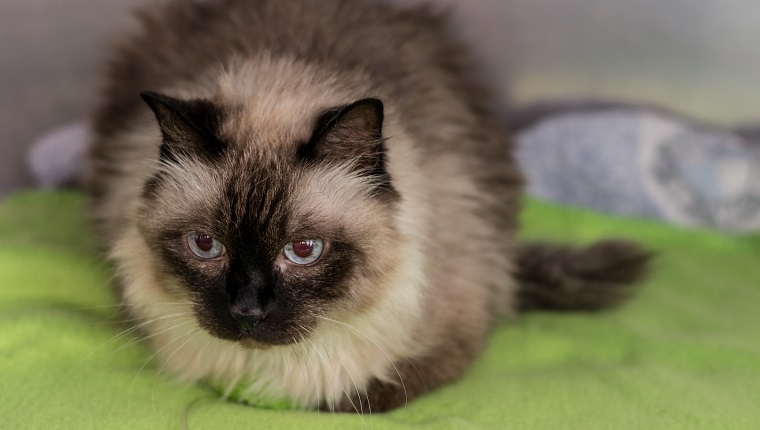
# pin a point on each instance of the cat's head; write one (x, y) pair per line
(265, 232)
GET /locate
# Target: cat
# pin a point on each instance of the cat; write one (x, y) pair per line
(291, 184)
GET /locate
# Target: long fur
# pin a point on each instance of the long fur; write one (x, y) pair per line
(568, 278)
(429, 264)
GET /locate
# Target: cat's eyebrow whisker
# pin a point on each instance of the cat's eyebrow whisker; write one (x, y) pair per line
(406, 396)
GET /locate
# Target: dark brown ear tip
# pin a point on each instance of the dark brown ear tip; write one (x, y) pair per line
(154, 99)
(371, 102)
(149, 96)
(374, 101)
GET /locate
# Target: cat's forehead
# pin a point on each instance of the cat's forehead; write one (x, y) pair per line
(275, 102)
(273, 194)
(268, 132)
(255, 190)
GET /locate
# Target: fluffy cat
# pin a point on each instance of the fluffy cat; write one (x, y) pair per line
(322, 186)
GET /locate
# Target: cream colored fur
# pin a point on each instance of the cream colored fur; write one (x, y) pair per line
(347, 349)
(394, 315)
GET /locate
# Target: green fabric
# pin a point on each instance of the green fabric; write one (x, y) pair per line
(684, 354)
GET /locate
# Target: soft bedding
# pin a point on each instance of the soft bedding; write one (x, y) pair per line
(683, 354)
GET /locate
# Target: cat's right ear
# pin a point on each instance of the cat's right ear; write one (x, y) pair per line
(188, 127)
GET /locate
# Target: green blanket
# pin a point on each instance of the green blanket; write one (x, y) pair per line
(684, 354)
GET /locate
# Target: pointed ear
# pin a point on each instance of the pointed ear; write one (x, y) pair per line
(351, 134)
(188, 127)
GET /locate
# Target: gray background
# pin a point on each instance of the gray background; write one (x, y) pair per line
(698, 57)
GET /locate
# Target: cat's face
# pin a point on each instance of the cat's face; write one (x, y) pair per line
(264, 239)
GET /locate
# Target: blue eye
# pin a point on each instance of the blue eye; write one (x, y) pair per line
(303, 252)
(204, 246)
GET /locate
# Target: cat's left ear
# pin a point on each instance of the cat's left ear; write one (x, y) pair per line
(351, 134)
(189, 127)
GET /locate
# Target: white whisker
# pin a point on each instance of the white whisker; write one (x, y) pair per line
(356, 387)
(307, 358)
(145, 363)
(406, 396)
(142, 339)
(348, 396)
(193, 332)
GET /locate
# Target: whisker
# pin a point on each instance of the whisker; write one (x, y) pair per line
(128, 320)
(144, 338)
(194, 332)
(85, 308)
(329, 361)
(307, 358)
(356, 387)
(406, 396)
(306, 376)
(104, 344)
(126, 310)
(348, 396)
(145, 363)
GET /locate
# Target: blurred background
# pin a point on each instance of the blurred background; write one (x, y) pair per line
(700, 58)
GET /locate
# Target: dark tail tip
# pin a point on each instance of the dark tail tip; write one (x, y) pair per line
(567, 278)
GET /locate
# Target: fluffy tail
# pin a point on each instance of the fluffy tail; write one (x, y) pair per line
(566, 278)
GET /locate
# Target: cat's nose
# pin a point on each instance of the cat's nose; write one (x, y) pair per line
(248, 316)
